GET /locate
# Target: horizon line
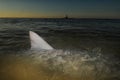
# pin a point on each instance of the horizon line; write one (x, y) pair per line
(59, 17)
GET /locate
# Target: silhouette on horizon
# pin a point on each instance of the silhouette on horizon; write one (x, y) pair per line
(66, 17)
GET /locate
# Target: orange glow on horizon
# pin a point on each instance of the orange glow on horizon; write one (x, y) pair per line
(16, 14)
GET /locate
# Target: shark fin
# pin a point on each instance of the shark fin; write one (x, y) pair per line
(38, 43)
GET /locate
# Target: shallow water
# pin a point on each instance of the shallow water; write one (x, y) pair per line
(86, 49)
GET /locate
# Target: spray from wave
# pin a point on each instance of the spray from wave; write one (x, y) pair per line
(58, 65)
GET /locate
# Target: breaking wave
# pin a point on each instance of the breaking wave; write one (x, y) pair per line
(58, 65)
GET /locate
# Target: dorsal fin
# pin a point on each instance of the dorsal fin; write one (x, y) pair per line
(38, 43)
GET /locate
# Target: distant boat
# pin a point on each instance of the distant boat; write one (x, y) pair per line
(66, 17)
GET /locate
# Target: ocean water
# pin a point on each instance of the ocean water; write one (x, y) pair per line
(85, 49)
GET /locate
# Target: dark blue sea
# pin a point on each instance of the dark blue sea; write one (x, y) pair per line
(85, 49)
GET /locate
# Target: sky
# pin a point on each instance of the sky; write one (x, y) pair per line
(59, 8)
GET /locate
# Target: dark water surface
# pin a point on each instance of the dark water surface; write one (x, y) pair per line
(76, 36)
